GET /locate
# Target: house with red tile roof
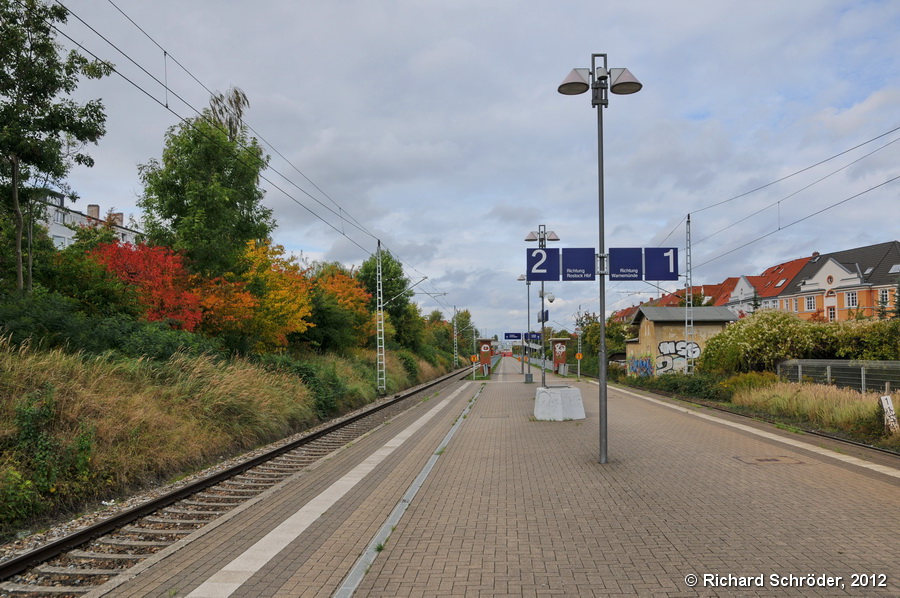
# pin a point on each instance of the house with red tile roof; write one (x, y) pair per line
(834, 286)
(762, 291)
(844, 285)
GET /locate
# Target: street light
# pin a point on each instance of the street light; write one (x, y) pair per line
(601, 80)
(527, 357)
(542, 235)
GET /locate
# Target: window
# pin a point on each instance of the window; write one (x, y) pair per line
(796, 304)
(781, 282)
(895, 269)
(59, 241)
(831, 314)
(884, 296)
(59, 217)
(810, 303)
(851, 299)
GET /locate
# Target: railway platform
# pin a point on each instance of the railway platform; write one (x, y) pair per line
(468, 495)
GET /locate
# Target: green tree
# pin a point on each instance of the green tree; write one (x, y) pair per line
(465, 331)
(204, 197)
(439, 332)
(410, 327)
(42, 128)
(397, 292)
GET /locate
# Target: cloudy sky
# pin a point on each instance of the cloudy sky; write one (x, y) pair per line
(436, 127)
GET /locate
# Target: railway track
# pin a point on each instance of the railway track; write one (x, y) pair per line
(79, 562)
(768, 420)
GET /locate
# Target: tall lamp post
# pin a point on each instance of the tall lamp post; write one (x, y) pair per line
(601, 80)
(528, 376)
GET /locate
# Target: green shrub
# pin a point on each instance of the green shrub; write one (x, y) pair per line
(410, 364)
(42, 472)
(52, 320)
(749, 381)
(758, 342)
(698, 385)
(615, 372)
(323, 380)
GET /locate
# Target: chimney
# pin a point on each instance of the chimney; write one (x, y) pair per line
(116, 219)
(94, 211)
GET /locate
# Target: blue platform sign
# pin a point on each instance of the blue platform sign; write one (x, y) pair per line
(512, 336)
(579, 263)
(542, 264)
(626, 263)
(534, 336)
(661, 263)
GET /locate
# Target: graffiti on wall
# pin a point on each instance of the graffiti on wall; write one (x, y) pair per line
(673, 355)
(640, 365)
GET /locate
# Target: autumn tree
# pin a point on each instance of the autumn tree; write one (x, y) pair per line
(225, 307)
(160, 278)
(283, 293)
(465, 331)
(204, 197)
(42, 128)
(339, 310)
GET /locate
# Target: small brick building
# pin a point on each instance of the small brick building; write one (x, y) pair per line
(662, 347)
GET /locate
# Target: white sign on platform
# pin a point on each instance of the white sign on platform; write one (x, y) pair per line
(890, 417)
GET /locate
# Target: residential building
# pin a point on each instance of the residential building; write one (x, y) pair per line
(845, 284)
(826, 287)
(60, 218)
(763, 291)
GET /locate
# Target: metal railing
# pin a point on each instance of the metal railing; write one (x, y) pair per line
(861, 375)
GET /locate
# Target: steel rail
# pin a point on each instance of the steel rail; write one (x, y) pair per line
(760, 418)
(52, 549)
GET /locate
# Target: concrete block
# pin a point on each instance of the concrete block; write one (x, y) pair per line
(558, 403)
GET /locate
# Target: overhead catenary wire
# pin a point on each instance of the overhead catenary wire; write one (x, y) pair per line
(341, 214)
(800, 190)
(834, 205)
(793, 174)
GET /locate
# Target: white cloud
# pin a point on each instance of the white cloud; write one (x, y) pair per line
(437, 127)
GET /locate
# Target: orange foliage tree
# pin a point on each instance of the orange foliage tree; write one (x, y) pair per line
(225, 305)
(340, 310)
(283, 293)
(160, 277)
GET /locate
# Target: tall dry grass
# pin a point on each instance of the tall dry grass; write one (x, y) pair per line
(826, 407)
(148, 421)
(151, 419)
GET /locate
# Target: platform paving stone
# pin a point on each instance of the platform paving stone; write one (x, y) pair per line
(518, 507)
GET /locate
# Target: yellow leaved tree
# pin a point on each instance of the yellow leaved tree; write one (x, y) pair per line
(283, 293)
